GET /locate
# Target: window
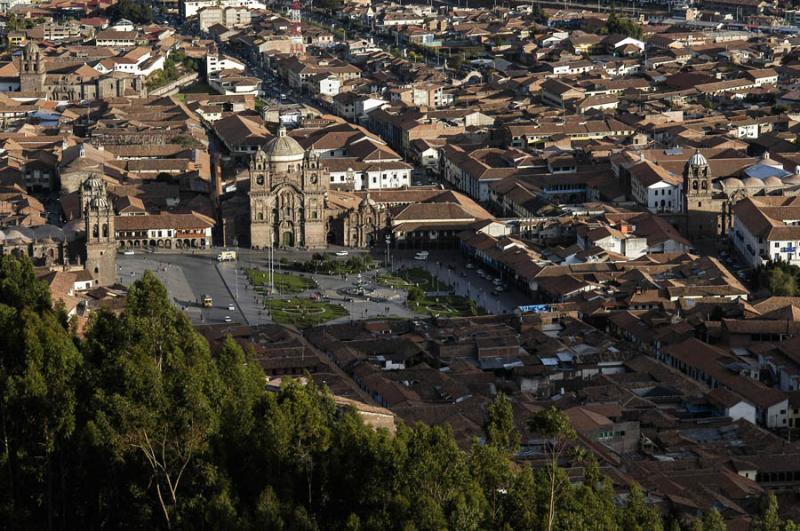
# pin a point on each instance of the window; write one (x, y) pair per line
(777, 245)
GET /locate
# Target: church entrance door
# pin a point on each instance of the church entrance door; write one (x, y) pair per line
(288, 239)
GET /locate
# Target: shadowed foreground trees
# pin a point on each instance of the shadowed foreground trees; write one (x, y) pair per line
(138, 426)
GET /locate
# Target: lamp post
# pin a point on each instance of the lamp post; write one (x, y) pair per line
(236, 270)
(388, 242)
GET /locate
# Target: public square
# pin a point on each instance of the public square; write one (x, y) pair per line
(188, 277)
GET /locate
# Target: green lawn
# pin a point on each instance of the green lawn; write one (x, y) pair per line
(198, 87)
(303, 312)
(448, 306)
(406, 278)
(283, 282)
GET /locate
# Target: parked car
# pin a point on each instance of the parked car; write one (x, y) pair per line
(421, 255)
(342, 253)
(470, 265)
(231, 308)
(228, 319)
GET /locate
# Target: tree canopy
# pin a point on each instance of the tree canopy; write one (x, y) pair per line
(620, 25)
(137, 12)
(137, 425)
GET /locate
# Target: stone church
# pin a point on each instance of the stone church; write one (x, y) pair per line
(287, 196)
(709, 203)
(73, 81)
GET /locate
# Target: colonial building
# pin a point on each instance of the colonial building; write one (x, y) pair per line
(74, 82)
(287, 196)
(709, 204)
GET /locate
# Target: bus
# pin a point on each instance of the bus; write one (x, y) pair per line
(208, 302)
(226, 256)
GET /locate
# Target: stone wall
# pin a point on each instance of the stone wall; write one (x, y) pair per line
(172, 88)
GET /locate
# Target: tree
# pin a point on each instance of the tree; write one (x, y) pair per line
(638, 515)
(553, 424)
(39, 364)
(618, 25)
(538, 14)
(501, 431)
(781, 282)
(713, 521)
(158, 407)
(132, 10)
(768, 518)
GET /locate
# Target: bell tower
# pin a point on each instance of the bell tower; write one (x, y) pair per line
(702, 215)
(32, 71)
(260, 201)
(98, 219)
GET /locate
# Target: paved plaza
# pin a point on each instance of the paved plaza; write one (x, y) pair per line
(190, 276)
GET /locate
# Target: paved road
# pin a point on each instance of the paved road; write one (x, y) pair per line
(187, 278)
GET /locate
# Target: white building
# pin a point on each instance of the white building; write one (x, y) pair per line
(189, 8)
(138, 61)
(382, 175)
(216, 62)
(767, 228)
(655, 188)
(231, 83)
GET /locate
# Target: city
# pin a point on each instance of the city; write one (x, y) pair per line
(553, 244)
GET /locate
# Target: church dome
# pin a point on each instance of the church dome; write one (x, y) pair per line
(792, 179)
(93, 182)
(284, 148)
(698, 160)
(367, 201)
(773, 182)
(732, 182)
(752, 182)
(99, 203)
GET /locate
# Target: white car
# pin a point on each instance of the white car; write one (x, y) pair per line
(422, 255)
(342, 253)
(497, 282)
(470, 266)
(231, 308)
(228, 319)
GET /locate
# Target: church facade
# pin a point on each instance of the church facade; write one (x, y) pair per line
(287, 196)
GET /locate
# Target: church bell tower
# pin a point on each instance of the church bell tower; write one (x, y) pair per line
(32, 71)
(98, 218)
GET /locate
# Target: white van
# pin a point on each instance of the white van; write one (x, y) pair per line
(226, 256)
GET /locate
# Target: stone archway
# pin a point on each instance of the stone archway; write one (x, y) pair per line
(287, 238)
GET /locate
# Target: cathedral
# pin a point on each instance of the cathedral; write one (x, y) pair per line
(287, 196)
(290, 204)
